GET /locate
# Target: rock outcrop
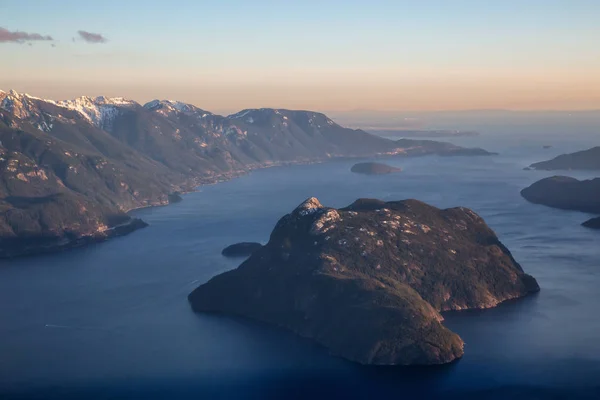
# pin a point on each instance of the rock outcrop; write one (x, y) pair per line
(369, 281)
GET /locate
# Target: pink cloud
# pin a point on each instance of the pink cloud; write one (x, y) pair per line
(92, 37)
(7, 36)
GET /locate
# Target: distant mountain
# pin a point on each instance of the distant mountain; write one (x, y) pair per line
(406, 133)
(581, 160)
(69, 170)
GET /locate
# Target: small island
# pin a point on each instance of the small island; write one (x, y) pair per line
(373, 168)
(369, 281)
(243, 249)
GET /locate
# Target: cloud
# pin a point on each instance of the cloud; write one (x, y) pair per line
(92, 37)
(7, 36)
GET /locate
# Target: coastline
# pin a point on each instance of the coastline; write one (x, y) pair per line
(35, 246)
(24, 247)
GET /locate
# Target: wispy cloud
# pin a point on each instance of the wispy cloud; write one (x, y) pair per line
(7, 36)
(92, 37)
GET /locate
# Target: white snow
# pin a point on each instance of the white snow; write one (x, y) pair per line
(174, 106)
(38, 98)
(100, 111)
(240, 114)
(117, 101)
(18, 104)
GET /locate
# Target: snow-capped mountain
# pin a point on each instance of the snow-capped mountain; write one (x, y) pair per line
(29, 108)
(166, 107)
(20, 105)
(284, 117)
(100, 111)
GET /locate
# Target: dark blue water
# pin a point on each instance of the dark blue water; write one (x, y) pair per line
(112, 320)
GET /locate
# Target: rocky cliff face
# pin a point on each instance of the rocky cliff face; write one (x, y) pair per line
(368, 281)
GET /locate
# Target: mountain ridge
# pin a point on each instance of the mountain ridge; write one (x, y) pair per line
(120, 155)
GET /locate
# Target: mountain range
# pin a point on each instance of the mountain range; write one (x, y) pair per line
(70, 170)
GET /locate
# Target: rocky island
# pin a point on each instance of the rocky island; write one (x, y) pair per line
(581, 160)
(373, 168)
(369, 281)
(243, 249)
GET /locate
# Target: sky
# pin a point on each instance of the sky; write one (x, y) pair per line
(325, 55)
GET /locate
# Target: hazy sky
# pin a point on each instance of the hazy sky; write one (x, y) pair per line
(323, 55)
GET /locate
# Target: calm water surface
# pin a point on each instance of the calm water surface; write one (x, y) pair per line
(112, 320)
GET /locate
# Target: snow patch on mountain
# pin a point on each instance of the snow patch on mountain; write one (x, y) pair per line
(19, 105)
(101, 111)
(173, 106)
(240, 114)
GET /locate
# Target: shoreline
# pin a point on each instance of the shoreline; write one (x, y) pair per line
(58, 244)
(61, 244)
(226, 177)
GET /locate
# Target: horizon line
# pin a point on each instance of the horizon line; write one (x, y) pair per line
(355, 110)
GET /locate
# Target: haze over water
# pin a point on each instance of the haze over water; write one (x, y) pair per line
(113, 319)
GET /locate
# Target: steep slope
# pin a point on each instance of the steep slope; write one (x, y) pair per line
(39, 209)
(85, 160)
(368, 281)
